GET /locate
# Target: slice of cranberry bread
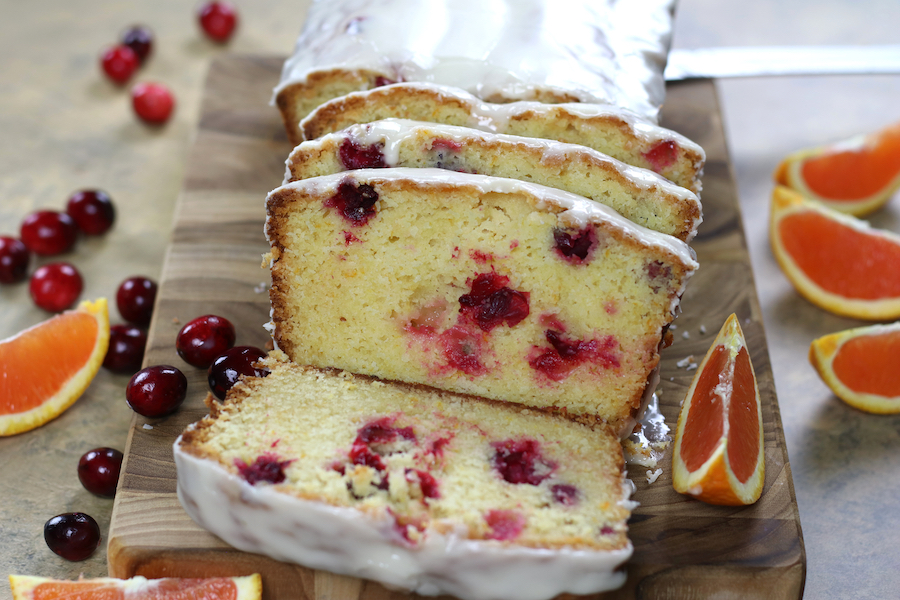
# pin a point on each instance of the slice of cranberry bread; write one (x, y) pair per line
(475, 284)
(613, 131)
(637, 194)
(417, 488)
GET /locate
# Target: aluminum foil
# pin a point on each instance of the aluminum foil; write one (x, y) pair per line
(599, 51)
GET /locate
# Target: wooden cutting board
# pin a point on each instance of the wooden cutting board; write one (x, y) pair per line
(683, 548)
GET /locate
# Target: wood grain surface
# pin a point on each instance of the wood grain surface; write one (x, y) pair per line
(683, 548)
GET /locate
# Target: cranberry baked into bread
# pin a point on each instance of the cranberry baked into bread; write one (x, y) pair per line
(474, 284)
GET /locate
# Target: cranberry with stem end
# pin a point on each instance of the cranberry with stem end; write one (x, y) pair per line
(119, 63)
(218, 20)
(152, 102)
(135, 298)
(55, 286)
(48, 232)
(126, 349)
(14, 259)
(92, 211)
(74, 535)
(98, 471)
(203, 339)
(225, 370)
(140, 39)
(156, 391)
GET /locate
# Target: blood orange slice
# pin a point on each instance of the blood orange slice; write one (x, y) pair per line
(45, 369)
(860, 366)
(855, 176)
(835, 261)
(25, 587)
(718, 455)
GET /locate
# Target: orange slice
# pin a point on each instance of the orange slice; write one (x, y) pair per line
(860, 366)
(45, 369)
(25, 587)
(854, 176)
(718, 454)
(835, 261)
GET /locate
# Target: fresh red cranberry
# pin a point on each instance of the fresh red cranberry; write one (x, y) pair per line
(356, 156)
(218, 20)
(565, 494)
(152, 102)
(203, 339)
(520, 461)
(266, 468)
(92, 211)
(140, 39)
(662, 155)
(575, 247)
(126, 349)
(119, 63)
(14, 259)
(74, 535)
(504, 524)
(49, 232)
(156, 391)
(135, 298)
(56, 286)
(98, 471)
(226, 369)
(356, 203)
(491, 302)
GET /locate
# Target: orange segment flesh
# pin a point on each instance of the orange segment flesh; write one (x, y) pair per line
(45, 368)
(718, 454)
(870, 365)
(855, 176)
(839, 258)
(834, 260)
(743, 421)
(860, 366)
(705, 421)
(858, 173)
(137, 588)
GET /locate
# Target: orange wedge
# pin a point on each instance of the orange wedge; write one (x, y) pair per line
(860, 366)
(835, 261)
(25, 587)
(718, 454)
(45, 369)
(854, 176)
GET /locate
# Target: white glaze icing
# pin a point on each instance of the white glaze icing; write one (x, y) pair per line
(267, 520)
(603, 51)
(394, 132)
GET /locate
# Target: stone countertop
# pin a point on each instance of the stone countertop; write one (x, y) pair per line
(66, 128)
